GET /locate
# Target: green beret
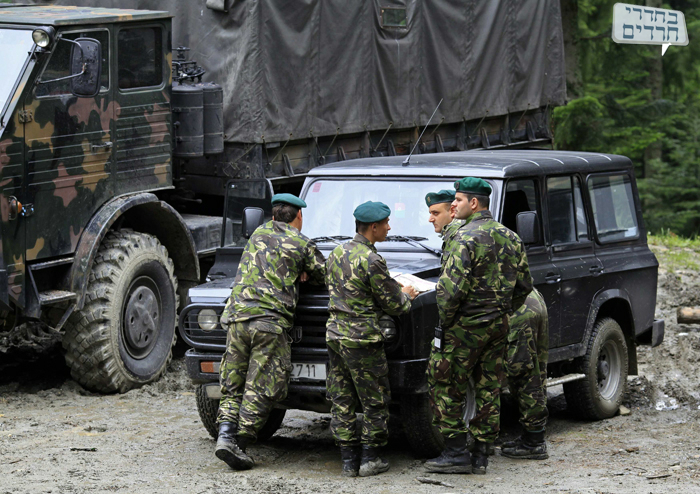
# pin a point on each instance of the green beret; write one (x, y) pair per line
(288, 199)
(472, 185)
(371, 212)
(439, 197)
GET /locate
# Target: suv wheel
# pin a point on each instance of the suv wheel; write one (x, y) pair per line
(124, 334)
(417, 417)
(209, 408)
(605, 364)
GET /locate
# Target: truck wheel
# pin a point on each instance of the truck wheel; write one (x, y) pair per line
(605, 364)
(209, 408)
(425, 439)
(123, 336)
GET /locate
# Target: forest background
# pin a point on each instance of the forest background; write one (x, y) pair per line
(628, 99)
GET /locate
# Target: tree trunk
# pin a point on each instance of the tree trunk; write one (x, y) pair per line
(569, 18)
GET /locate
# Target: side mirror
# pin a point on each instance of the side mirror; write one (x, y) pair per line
(85, 67)
(528, 226)
(252, 218)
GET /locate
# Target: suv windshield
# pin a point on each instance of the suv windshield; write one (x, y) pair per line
(15, 45)
(332, 202)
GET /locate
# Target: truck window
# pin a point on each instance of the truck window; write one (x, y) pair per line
(59, 64)
(613, 208)
(567, 216)
(521, 195)
(140, 57)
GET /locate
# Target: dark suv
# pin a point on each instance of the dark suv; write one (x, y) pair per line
(579, 216)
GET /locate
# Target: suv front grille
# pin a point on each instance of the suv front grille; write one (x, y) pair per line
(311, 316)
(202, 339)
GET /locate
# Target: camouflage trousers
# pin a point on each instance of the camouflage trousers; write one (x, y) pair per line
(358, 376)
(254, 374)
(472, 351)
(526, 368)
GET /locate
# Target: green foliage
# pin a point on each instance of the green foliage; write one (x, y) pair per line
(621, 112)
(676, 253)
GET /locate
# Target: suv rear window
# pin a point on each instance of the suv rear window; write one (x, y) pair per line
(613, 208)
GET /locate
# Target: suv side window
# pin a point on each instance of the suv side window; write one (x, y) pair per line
(613, 208)
(139, 57)
(521, 195)
(567, 216)
(59, 64)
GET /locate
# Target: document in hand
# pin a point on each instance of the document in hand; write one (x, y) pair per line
(408, 279)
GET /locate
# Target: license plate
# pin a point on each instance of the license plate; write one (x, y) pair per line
(315, 372)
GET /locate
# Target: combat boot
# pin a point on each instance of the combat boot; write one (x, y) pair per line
(529, 446)
(228, 449)
(480, 458)
(453, 459)
(371, 463)
(351, 460)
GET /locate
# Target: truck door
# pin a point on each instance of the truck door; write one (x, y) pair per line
(143, 116)
(573, 256)
(524, 195)
(68, 152)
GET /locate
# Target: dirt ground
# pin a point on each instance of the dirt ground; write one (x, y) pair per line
(57, 438)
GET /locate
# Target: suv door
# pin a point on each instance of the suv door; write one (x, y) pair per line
(524, 195)
(573, 255)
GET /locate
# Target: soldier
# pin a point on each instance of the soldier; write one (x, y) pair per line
(526, 367)
(485, 275)
(257, 363)
(361, 290)
(442, 217)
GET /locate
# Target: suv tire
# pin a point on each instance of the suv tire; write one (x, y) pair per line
(124, 334)
(605, 364)
(425, 439)
(208, 409)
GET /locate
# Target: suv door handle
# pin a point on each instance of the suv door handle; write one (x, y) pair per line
(552, 278)
(97, 147)
(595, 270)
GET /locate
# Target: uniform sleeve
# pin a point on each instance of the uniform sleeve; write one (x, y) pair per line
(386, 291)
(523, 281)
(454, 284)
(315, 264)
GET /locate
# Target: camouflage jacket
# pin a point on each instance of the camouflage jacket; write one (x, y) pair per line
(448, 233)
(267, 281)
(485, 275)
(531, 314)
(361, 290)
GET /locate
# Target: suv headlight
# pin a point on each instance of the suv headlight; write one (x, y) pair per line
(388, 327)
(207, 319)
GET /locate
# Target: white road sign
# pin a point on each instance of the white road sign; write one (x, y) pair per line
(649, 26)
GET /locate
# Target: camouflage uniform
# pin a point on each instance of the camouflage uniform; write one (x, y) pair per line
(485, 274)
(361, 290)
(448, 233)
(526, 361)
(257, 363)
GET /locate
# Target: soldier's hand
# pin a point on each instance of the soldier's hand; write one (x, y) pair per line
(304, 277)
(412, 292)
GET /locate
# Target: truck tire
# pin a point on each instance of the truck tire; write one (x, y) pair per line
(124, 335)
(605, 364)
(425, 439)
(209, 408)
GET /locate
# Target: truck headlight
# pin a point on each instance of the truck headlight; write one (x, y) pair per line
(388, 327)
(207, 319)
(43, 36)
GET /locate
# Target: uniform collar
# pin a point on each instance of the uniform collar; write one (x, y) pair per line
(361, 239)
(481, 215)
(281, 226)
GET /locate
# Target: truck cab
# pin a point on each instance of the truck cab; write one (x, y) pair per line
(579, 216)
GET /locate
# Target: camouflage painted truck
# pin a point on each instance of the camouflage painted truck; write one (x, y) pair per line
(115, 156)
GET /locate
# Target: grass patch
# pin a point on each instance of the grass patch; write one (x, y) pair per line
(676, 253)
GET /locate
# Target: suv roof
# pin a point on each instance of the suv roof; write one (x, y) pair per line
(55, 15)
(495, 164)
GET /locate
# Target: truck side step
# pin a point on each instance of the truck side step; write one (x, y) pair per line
(50, 297)
(565, 379)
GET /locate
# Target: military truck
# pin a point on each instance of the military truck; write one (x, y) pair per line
(116, 144)
(579, 217)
